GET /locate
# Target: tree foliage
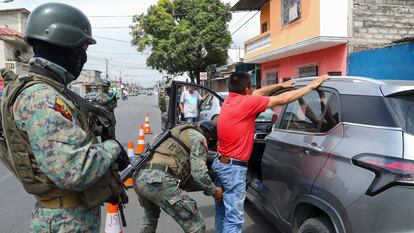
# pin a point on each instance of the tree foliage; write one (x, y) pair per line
(184, 35)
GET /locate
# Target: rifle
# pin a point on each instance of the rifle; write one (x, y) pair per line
(138, 162)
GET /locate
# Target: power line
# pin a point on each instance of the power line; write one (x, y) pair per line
(245, 23)
(94, 51)
(110, 27)
(110, 16)
(108, 38)
(244, 16)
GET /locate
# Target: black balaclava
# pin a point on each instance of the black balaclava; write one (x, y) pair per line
(72, 59)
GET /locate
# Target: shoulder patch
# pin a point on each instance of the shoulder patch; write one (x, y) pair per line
(61, 107)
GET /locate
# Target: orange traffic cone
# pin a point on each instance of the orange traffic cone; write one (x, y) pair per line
(113, 221)
(147, 128)
(131, 154)
(141, 141)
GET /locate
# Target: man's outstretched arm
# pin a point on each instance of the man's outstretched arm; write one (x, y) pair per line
(267, 90)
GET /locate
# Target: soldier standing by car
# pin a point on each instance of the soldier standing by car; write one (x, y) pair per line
(49, 144)
(110, 103)
(163, 103)
(178, 165)
(235, 136)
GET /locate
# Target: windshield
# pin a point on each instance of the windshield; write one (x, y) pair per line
(403, 108)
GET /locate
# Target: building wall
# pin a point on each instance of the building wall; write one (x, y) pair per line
(393, 62)
(374, 23)
(265, 16)
(14, 20)
(328, 60)
(306, 27)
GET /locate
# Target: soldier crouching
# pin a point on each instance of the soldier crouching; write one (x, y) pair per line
(178, 165)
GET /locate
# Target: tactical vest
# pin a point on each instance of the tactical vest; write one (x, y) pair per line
(175, 155)
(20, 158)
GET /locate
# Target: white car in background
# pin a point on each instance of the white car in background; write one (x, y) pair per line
(210, 107)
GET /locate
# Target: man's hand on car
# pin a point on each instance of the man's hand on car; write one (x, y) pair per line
(218, 195)
(288, 85)
(317, 82)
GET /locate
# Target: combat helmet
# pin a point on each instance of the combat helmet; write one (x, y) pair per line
(209, 130)
(59, 24)
(106, 83)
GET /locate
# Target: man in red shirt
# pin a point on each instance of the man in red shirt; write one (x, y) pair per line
(235, 135)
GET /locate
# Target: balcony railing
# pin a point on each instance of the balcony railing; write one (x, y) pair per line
(257, 43)
(17, 67)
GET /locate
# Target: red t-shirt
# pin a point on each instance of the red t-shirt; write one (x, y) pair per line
(236, 124)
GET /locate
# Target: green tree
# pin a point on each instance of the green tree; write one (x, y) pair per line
(184, 35)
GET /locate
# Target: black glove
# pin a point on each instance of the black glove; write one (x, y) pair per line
(123, 159)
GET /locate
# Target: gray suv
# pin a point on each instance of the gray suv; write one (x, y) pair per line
(340, 159)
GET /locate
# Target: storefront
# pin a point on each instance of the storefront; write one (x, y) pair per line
(330, 60)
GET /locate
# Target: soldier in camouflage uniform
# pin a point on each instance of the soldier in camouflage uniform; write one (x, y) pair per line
(110, 103)
(178, 165)
(164, 103)
(51, 148)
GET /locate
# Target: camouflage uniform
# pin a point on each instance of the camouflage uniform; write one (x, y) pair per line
(159, 189)
(110, 103)
(63, 151)
(163, 103)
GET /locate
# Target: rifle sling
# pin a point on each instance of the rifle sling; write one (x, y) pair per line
(78, 100)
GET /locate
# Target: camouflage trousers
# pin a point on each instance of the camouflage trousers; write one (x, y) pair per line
(159, 190)
(164, 118)
(65, 220)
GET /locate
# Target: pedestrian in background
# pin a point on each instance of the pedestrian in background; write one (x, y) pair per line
(235, 141)
(164, 103)
(189, 101)
(178, 165)
(110, 103)
(52, 149)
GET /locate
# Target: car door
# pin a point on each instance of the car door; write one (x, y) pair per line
(298, 147)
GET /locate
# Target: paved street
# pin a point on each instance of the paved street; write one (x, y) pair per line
(16, 205)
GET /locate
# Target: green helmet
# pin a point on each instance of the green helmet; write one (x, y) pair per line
(59, 24)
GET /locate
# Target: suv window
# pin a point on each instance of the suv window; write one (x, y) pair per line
(367, 110)
(206, 104)
(403, 108)
(331, 116)
(307, 113)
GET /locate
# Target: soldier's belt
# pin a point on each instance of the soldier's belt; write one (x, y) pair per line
(61, 202)
(157, 166)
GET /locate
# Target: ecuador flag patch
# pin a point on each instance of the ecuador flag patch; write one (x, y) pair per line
(61, 107)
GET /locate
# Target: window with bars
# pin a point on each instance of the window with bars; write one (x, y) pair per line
(264, 27)
(271, 78)
(308, 71)
(290, 11)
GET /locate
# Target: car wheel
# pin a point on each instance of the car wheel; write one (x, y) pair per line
(317, 225)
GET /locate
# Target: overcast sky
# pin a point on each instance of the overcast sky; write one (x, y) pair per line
(110, 20)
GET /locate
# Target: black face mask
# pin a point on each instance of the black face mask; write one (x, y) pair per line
(70, 59)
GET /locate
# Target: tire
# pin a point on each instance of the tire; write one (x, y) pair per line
(317, 225)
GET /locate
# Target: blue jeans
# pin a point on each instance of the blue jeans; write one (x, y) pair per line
(191, 119)
(229, 212)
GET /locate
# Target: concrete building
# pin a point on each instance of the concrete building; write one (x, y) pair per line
(14, 52)
(306, 38)
(88, 81)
